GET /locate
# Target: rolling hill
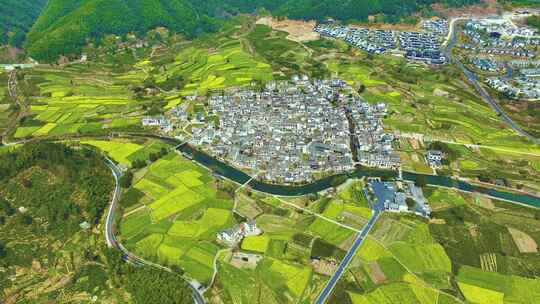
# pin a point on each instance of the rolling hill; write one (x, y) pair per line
(66, 25)
(18, 16)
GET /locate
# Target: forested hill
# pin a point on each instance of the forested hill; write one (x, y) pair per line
(66, 25)
(17, 16)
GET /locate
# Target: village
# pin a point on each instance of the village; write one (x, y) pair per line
(291, 132)
(422, 45)
(503, 52)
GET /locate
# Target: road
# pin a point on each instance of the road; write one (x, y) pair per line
(473, 79)
(112, 242)
(325, 293)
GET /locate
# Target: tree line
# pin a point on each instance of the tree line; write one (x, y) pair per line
(66, 26)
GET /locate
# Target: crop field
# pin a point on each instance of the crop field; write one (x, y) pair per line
(223, 66)
(256, 243)
(458, 250)
(5, 102)
(421, 258)
(290, 238)
(125, 152)
(399, 262)
(389, 294)
(181, 212)
(480, 286)
(78, 100)
(440, 199)
(372, 251)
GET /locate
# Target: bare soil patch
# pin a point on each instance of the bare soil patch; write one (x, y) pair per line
(376, 274)
(486, 8)
(324, 267)
(299, 30)
(524, 242)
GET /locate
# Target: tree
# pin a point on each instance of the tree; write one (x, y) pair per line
(411, 204)
(3, 37)
(126, 179)
(6, 207)
(16, 38)
(361, 89)
(3, 250)
(338, 180)
(421, 181)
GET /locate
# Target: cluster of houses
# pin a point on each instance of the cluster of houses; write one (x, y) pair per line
(524, 87)
(161, 122)
(487, 64)
(395, 196)
(374, 41)
(287, 133)
(498, 36)
(499, 27)
(374, 146)
(501, 38)
(233, 236)
(434, 158)
(422, 45)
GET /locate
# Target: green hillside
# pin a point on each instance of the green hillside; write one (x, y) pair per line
(51, 200)
(18, 16)
(66, 25)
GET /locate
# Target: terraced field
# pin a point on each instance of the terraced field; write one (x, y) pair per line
(176, 216)
(465, 253)
(203, 70)
(5, 102)
(78, 100)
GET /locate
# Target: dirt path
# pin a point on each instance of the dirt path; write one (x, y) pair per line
(22, 104)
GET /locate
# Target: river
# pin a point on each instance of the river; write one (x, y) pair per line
(220, 168)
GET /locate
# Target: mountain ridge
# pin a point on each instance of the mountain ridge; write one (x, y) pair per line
(65, 26)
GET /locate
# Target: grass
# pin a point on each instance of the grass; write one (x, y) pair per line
(182, 210)
(135, 223)
(149, 245)
(63, 101)
(481, 295)
(372, 251)
(256, 243)
(420, 258)
(120, 151)
(387, 294)
(296, 278)
(443, 198)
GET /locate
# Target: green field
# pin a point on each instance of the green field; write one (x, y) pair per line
(256, 243)
(78, 100)
(181, 213)
(223, 66)
(488, 287)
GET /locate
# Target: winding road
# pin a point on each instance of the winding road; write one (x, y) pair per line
(112, 242)
(473, 79)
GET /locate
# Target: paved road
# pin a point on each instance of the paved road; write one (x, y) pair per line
(473, 79)
(325, 293)
(112, 242)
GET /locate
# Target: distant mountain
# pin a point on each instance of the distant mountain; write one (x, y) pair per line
(17, 16)
(66, 25)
